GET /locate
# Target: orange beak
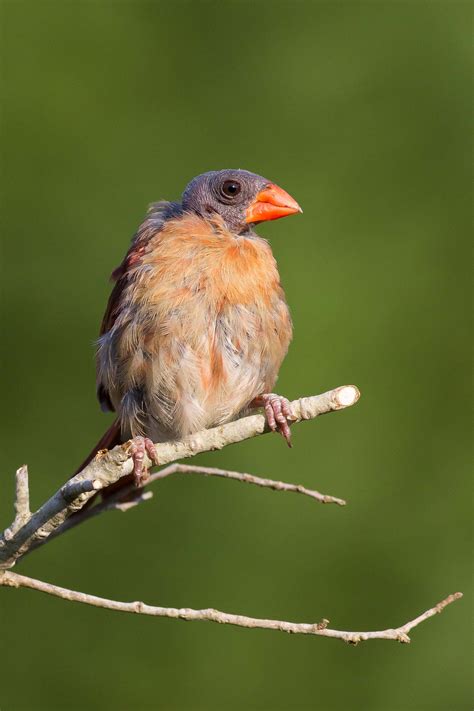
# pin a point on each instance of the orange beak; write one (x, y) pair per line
(271, 203)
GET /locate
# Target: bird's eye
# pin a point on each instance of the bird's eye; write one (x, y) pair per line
(231, 188)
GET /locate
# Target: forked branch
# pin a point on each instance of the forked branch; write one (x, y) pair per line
(55, 516)
(67, 507)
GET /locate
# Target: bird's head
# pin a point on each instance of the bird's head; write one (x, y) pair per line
(239, 197)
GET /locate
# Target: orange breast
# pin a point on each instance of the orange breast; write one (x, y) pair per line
(190, 253)
(209, 314)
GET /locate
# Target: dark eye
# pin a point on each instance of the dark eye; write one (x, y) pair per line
(231, 188)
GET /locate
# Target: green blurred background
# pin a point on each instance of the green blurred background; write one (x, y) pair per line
(361, 111)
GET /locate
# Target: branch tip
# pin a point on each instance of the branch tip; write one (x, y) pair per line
(347, 395)
(451, 598)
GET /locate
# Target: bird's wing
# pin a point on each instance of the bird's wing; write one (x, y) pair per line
(158, 214)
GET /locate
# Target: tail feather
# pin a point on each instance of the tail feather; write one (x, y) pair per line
(110, 439)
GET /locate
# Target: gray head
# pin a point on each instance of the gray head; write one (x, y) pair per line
(239, 197)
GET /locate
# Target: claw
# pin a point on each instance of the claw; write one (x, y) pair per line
(278, 412)
(138, 447)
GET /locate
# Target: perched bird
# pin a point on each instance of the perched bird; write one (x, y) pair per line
(197, 325)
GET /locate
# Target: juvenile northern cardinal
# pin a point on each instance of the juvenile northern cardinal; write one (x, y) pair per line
(197, 325)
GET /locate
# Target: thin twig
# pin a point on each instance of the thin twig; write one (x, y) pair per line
(22, 503)
(108, 467)
(22, 497)
(400, 634)
(130, 496)
(248, 479)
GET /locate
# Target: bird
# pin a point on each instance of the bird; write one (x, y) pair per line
(197, 324)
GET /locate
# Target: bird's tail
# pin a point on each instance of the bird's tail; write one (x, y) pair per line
(110, 439)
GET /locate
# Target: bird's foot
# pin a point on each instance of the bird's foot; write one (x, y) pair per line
(138, 447)
(278, 413)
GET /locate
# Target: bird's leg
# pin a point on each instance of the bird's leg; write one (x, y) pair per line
(138, 447)
(278, 412)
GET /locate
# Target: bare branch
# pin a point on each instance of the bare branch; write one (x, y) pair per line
(28, 531)
(248, 479)
(131, 496)
(22, 503)
(109, 467)
(22, 498)
(400, 634)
